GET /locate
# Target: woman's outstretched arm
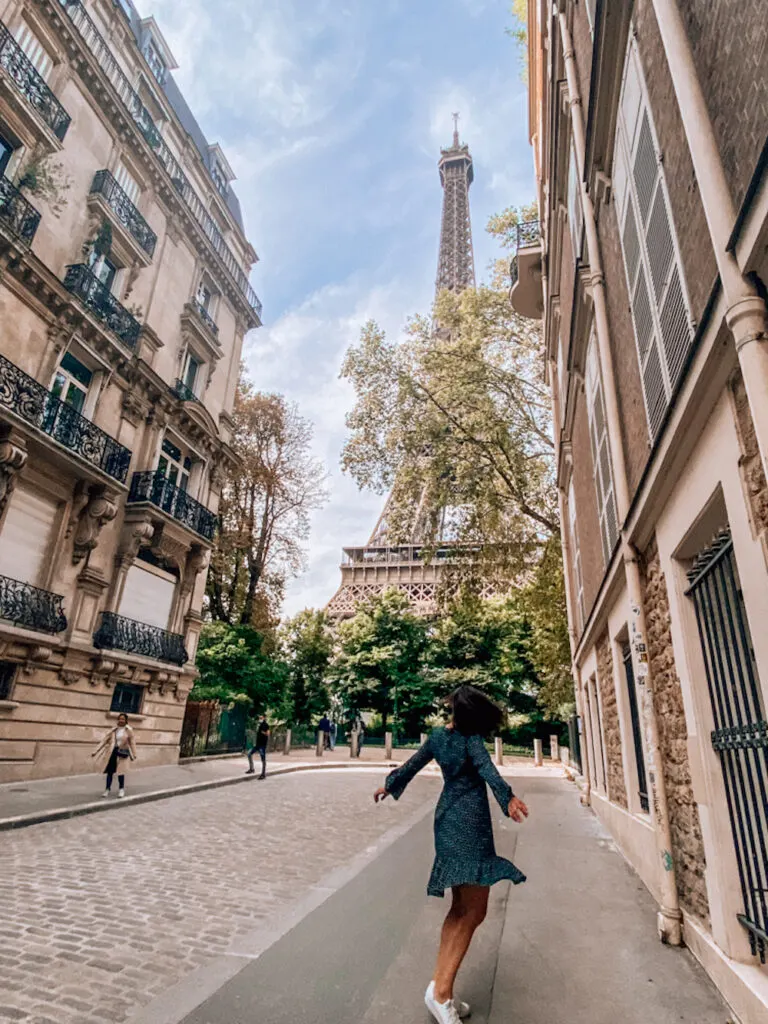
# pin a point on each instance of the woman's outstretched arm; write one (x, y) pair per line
(509, 803)
(397, 780)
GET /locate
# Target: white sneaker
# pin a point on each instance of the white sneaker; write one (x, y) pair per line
(463, 1009)
(121, 794)
(105, 794)
(444, 1013)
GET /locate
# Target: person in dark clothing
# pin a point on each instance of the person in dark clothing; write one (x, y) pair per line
(262, 737)
(324, 725)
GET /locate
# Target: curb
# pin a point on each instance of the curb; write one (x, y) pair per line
(98, 807)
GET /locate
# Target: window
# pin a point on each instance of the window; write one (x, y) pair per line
(574, 204)
(597, 735)
(601, 453)
(155, 61)
(6, 152)
(174, 465)
(637, 736)
(34, 50)
(190, 372)
(7, 673)
(591, 6)
(103, 270)
(126, 698)
(204, 296)
(71, 382)
(26, 536)
(576, 557)
(219, 179)
(148, 594)
(127, 183)
(660, 307)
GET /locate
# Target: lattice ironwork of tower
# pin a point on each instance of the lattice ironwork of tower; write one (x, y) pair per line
(379, 565)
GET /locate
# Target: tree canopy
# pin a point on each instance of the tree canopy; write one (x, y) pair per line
(306, 643)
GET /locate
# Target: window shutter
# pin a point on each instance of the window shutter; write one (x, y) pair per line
(576, 556)
(660, 311)
(574, 204)
(601, 455)
(26, 536)
(147, 596)
(34, 50)
(127, 183)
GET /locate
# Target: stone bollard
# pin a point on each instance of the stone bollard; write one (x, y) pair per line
(499, 745)
(565, 756)
(353, 743)
(423, 739)
(387, 746)
(287, 746)
(538, 754)
(553, 748)
(320, 743)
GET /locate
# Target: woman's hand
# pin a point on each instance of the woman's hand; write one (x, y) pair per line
(517, 810)
(380, 794)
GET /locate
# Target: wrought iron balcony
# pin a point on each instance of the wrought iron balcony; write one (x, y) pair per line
(184, 392)
(31, 84)
(528, 233)
(97, 45)
(100, 300)
(525, 293)
(158, 490)
(117, 633)
(36, 405)
(25, 605)
(17, 213)
(206, 317)
(117, 199)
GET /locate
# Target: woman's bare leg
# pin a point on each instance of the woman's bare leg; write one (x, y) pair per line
(470, 903)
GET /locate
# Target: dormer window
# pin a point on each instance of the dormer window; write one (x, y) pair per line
(218, 178)
(155, 61)
(219, 169)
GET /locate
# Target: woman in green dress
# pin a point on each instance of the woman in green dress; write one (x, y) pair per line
(465, 854)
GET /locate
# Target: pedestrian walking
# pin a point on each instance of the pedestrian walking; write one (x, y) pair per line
(262, 737)
(332, 735)
(324, 726)
(359, 729)
(117, 749)
(465, 855)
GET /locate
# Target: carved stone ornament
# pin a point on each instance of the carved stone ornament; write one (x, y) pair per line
(135, 534)
(197, 562)
(36, 656)
(134, 410)
(99, 510)
(12, 460)
(69, 676)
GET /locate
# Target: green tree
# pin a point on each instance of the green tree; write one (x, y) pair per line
(307, 643)
(234, 666)
(379, 661)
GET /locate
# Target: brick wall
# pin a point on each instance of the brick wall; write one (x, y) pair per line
(687, 843)
(634, 422)
(687, 210)
(617, 790)
(588, 524)
(729, 40)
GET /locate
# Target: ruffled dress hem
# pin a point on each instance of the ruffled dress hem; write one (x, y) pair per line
(484, 872)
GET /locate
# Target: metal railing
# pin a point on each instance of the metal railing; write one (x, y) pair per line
(158, 490)
(25, 605)
(143, 120)
(31, 84)
(205, 316)
(740, 736)
(104, 184)
(117, 633)
(528, 234)
(32, 402)
(100, 300)
(17, 213)
(184, 391)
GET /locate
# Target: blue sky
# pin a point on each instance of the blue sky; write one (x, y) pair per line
(332, 114)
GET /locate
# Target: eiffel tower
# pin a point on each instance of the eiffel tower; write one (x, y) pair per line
(379, 565)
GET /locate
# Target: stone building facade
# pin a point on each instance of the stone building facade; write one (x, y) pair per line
(649, 272)
(124, 300)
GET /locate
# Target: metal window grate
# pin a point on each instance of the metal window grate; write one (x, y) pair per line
(740, 736)
(127, 698)
(637, 736)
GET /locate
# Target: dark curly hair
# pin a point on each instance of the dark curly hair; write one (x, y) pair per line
(474, 713)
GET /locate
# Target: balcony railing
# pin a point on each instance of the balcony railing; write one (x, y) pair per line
(184, 392)
(158, 490)
(25, 605)
(206, 317)
(17, 213)
(117, 633)
(31, 84)
(143, 120)
(117, 200)
(528, 233)
(36, 405)
(100, 300)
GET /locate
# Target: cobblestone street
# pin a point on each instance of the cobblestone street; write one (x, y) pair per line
(101, 913)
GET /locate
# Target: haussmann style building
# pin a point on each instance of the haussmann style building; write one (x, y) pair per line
(124, 299)
(648, 122)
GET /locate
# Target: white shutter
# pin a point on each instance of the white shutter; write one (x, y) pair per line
(147, 595)
(601, 457)
(574, 204)
(660, 308)
(34, 50)
(576, 556)
(26, 536)
(127, 183)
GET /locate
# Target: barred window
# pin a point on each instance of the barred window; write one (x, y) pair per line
(126, 698)
(657, 293)
(601, 453)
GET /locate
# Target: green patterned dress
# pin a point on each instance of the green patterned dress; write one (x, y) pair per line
(464, 849)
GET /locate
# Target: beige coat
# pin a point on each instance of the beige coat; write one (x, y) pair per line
(104, 750)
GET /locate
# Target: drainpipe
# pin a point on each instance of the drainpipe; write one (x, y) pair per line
(745, 313)
(669, 918)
